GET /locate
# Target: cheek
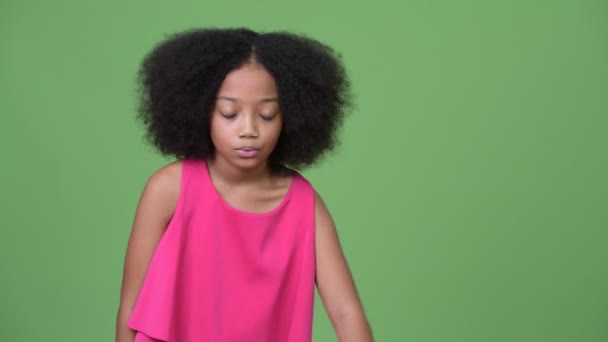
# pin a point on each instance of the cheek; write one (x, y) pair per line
(217, 132)
(275, 130)
(212, 129)
(279, 126)
(272, 128)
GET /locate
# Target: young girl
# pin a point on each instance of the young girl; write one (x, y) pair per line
(229, 240)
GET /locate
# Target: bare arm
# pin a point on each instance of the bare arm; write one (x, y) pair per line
(154, 211)
(335, 282)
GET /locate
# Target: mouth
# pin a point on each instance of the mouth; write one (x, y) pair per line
(247, 148)
(247, 151)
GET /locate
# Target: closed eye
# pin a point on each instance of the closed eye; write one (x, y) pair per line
(267, 117)
(229, 116)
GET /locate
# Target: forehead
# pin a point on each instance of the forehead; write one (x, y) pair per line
(250, 82)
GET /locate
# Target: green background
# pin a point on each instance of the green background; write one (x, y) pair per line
(470, 190)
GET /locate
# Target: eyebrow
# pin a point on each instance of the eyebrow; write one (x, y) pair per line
(233, 99)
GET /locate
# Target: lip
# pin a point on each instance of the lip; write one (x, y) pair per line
(247, 151)
(247, 148)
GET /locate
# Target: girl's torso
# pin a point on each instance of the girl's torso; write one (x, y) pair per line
(226, 270)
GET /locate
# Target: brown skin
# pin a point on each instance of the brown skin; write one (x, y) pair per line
(247, 114)
(246, 184)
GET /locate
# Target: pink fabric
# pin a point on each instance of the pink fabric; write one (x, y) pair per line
(141, 337)
(222, 274)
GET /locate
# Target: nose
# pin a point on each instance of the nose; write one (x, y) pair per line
(248, 128)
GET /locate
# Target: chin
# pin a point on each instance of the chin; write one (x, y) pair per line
(248, 163)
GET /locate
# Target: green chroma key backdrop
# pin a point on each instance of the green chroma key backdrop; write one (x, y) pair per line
(470, 190)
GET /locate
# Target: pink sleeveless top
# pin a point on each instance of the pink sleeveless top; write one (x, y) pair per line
(219, 274)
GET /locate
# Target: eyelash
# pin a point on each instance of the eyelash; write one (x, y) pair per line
(228, 116)
(232, 116)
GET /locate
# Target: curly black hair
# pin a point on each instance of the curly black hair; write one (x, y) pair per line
(179, 78)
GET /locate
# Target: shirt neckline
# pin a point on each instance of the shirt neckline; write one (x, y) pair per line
(228, 206)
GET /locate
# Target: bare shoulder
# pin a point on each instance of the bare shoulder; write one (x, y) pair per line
(163, 187)
(158, 200)
(325, 225)
(167, 175)
(326, 235)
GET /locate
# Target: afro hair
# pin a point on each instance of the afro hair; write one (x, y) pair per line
(179, 78)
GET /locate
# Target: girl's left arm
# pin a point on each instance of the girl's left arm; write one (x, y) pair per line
(335, 282)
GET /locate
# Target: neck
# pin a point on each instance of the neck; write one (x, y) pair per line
(232, 174)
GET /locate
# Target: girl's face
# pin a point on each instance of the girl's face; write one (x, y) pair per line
(246, 121)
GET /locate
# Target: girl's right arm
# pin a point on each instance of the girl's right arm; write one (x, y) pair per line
(154, 211)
